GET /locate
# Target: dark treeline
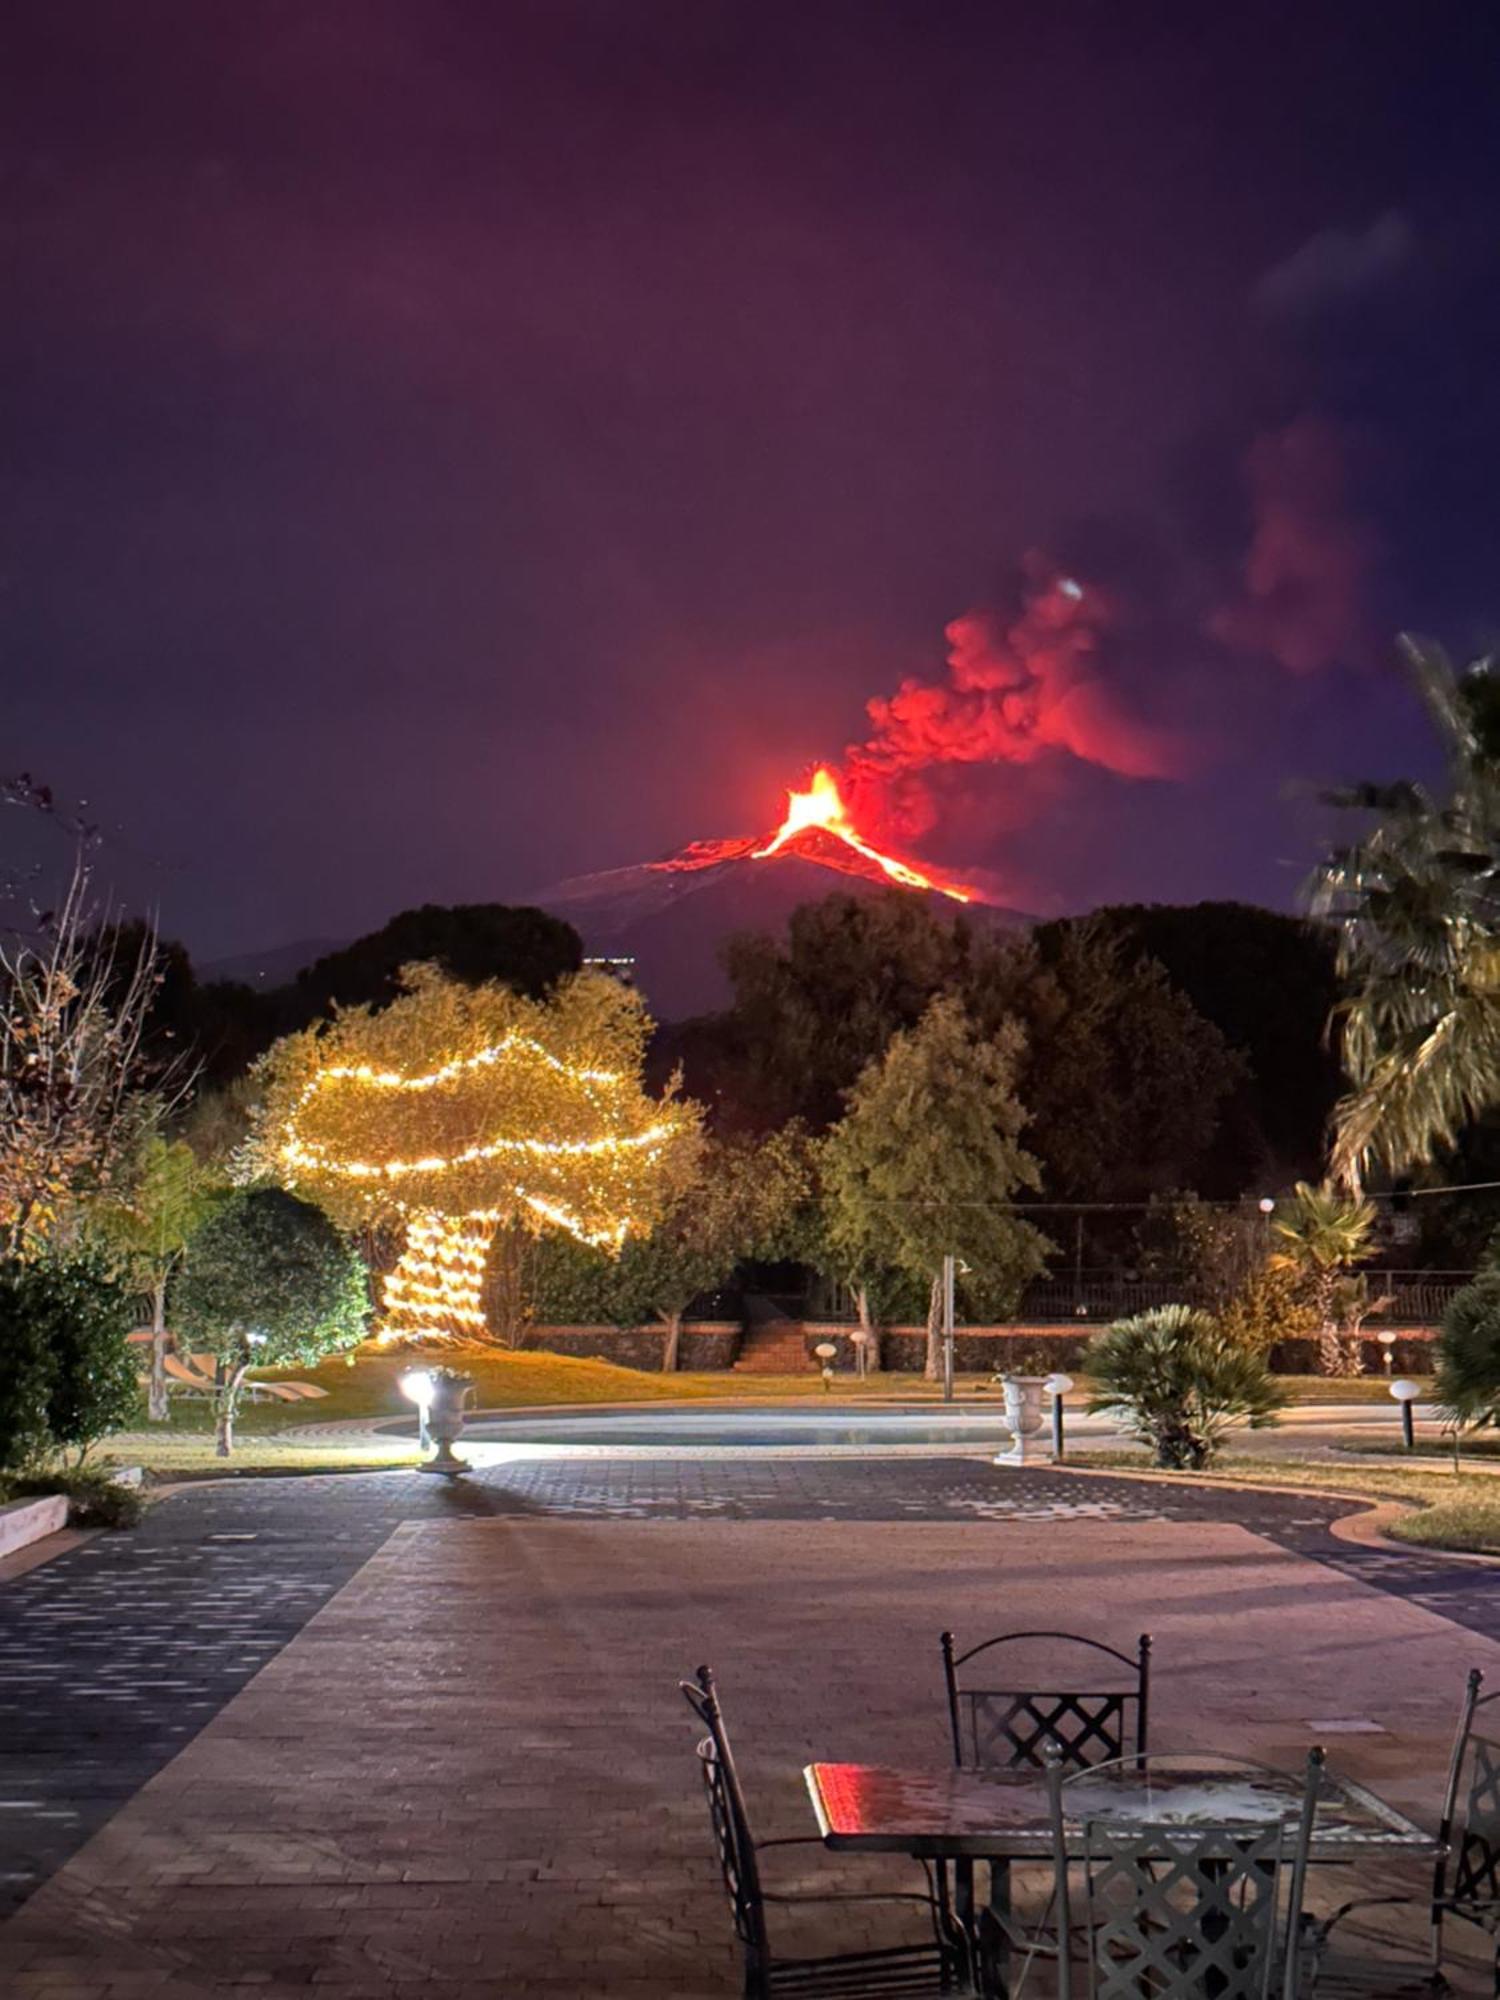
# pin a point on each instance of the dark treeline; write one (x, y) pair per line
(1166, 1049)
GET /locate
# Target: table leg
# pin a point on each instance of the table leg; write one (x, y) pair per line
(999, 1958)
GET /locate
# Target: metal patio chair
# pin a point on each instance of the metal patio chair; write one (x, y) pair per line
(1465, 1879)
(1172, 1909)
(1009, 1728)
(936, 1966)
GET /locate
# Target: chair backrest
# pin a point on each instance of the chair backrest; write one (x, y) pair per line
(1472, 1849)
(1009, 1728)
(1179, 1907)
(731, 1829)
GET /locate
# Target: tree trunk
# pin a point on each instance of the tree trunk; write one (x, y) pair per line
(156, 1402)
(672, 1346)
(1330, 1348)
(934, 1368)
(868, 1327)
(226, 1403)
(1330, 1339)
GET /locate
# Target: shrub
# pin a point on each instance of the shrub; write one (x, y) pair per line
(1178, 1385)
(93, 1388)
(1468, 1355)
(24, 1372)
(267, 1281)
(95, 1500)
(66, 1373)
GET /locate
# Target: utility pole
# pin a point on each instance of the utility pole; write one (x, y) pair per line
(949, 1264)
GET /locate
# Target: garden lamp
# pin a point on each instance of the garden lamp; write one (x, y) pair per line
(1057, 1386)
(416, 1386)
(1406, 1393)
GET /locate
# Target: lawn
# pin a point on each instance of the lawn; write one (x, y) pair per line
(367, 1385)
(1450, 1511)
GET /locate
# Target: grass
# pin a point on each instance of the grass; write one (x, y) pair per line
(1449, 1511)
(1341, 1388)
(366, 1386)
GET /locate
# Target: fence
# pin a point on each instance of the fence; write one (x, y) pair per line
(1095, 1297)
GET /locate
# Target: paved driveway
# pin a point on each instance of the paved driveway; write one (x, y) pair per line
(409, 1741)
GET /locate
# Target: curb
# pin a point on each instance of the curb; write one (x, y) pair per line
(1365, 1529)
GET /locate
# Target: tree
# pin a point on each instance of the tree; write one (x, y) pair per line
(1124, 1080)
(459, 1110)
(926, 1158)
(1178, 1385)
(743, 1202)
(267, 1281)
(811, 1012)
(1322, 1233)
(66, 1373)
(1266, 981)
(1416, 900)
(166, 1196)
(73, 1073)
(1467, 1384)
(474, 943)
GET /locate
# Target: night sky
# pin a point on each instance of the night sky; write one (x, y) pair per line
(453, 445)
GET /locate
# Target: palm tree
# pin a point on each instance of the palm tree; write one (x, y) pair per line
(1323, 1233)
(1417, 905)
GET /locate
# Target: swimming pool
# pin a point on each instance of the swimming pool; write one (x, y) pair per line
(823, 1429)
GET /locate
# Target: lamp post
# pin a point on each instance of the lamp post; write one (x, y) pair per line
(1057, 1386)
(860, 1341)
(950, 1265)
(1387, 1349)
(416, 1387)
(825, 1351)
(1406, 1394)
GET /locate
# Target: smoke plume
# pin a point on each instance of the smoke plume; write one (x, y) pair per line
(1015, 690)
(1304, 585)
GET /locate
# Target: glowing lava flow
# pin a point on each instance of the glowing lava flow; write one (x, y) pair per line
(822, 809)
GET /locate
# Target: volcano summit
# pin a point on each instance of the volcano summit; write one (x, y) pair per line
(672, 916)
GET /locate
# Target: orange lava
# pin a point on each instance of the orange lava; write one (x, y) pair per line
(821, 807)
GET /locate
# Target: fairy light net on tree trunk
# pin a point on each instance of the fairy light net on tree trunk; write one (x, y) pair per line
(457, 1110)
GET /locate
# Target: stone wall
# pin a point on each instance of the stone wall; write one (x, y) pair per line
(978, 1350)
(706, 1344)
(1411, 1353)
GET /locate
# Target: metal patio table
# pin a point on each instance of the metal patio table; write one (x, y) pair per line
(946, 1814)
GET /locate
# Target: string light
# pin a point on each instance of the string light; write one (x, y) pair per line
(514, 1116)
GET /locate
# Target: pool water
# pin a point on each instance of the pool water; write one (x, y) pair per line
(766, 1428)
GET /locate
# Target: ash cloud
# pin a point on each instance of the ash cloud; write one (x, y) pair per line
(1339, 268)
(1017, 689)
(1304, 587)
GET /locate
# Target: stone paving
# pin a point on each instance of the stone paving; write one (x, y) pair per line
(442, 1754)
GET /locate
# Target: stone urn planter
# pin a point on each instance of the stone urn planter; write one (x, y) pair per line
(1023, 1412)
(445, 1420)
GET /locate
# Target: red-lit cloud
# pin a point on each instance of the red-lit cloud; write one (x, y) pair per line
(1015, 691)
(1305, 579)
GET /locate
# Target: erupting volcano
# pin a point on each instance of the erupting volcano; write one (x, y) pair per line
(673, 916)
(817, 828)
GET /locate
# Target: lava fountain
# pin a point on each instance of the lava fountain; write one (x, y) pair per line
(817, 828)
(822, 806)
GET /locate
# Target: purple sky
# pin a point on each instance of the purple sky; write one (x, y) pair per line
(453, 445)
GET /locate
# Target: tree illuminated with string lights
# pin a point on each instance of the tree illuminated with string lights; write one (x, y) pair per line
(459, 1110)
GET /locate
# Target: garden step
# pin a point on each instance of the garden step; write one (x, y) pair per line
(773, 1350)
